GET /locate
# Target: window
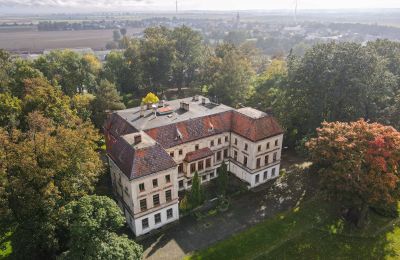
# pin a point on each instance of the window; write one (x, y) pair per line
(208, 162)
(168, 195)
(266, 159)
(196, 147)
(157, 218)
(219, 156)
(267, 145)
(212, 175)
(235, 141)
(180, 152)
(226, 139)
(258, 163)
(276, 142)
(212, 143)
(181, 184)
(235, 154)
(245, 147)
(180, 167)
(192, 167)
(155, 183)
(143, 205)
(156, 200)
(169, 213)
(219, 141)
(259, 148)
(171, 154)
(145, 223)
(257, 178)
(204, 177)
(141, 187)
(273, 172)
(200, 165)
(245, 161)
(274, 158)
(226, 153)
(167, 178)
(189, 183)
(265, 176)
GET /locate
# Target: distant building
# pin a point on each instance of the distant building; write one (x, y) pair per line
(153, 153)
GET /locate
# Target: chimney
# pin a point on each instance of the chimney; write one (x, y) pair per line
(203, 101)
(185, 106)
(138, 139)
(141, 110)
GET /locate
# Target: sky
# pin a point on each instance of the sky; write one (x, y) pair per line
(169, 5)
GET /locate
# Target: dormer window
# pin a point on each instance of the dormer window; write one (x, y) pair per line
(178, 135)
(211, 127)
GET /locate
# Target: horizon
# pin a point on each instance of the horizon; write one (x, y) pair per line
(160, 6)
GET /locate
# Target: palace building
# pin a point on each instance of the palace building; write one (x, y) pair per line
(154, 151)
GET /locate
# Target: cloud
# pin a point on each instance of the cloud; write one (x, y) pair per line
(70, 3)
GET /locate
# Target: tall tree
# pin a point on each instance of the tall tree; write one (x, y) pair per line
(91, 224)
(188, 50)
(157, 57)
(196, 197)
(106, 98)
(46, 167)
(39, 95)
(73, 72)
(358, 163)
(222, 179)
(232, 78)
(335, 81)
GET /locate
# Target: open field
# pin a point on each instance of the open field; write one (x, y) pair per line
(35, 41)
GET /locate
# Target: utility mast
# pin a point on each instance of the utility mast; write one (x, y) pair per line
(176, 6)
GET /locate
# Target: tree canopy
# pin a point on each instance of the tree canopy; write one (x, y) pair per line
(358, 163)
(91, 224)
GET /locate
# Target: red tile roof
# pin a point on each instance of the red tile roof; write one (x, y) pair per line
(255, 129)
(138, 163)
(191, 130)
(199, 154)
(141, 162)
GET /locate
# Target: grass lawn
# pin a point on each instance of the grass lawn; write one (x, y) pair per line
(309, 232)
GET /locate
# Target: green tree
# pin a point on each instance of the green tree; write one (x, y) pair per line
(106, 98)
(91, 224)
(335, 81)
(188, 50)
(20, 71)
(232, 79)
(222, 179)
(46, 167)
(157, 56)
(5, 67)
(196, 197)
(52, 103)
(73, 72)
(10, 110)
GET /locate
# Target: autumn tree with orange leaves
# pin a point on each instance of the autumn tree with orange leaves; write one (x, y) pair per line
(358, 164)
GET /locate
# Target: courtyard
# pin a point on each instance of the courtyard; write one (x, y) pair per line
(193, 233)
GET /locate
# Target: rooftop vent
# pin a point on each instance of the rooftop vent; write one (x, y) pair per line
(203, 101)
(185, 106)
(195, 98)
(138, 139)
